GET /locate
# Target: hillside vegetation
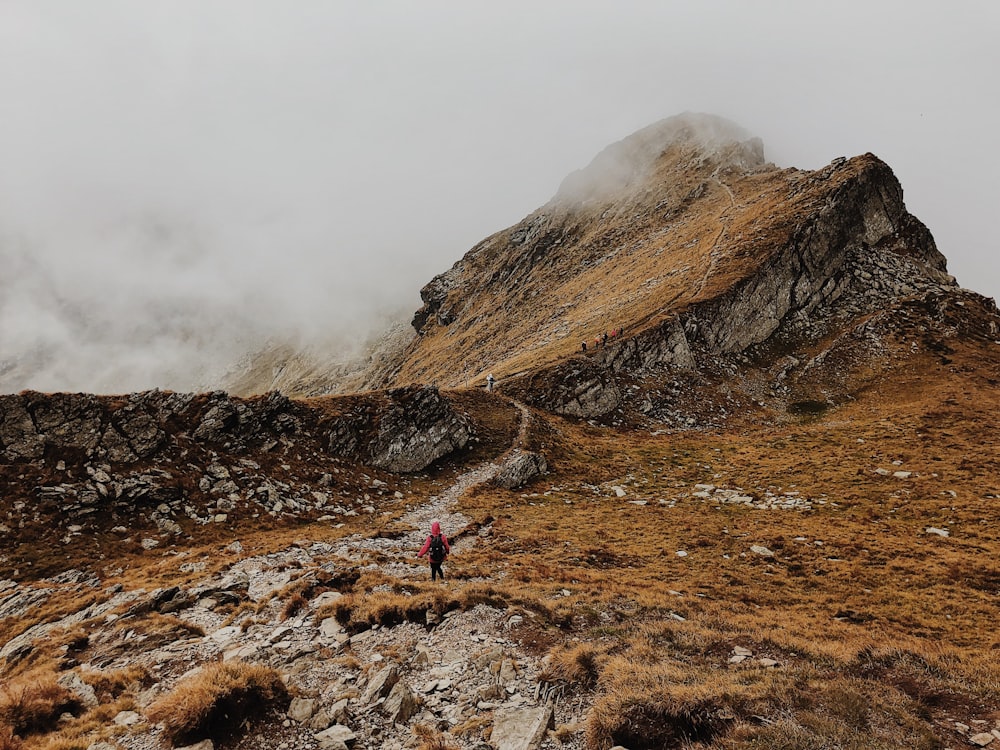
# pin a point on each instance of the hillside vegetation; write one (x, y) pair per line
(765, 515)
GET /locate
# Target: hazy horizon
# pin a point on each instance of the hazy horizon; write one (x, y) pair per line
(182, 183)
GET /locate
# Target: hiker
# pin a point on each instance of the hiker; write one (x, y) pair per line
(490, 380)
(604, 339)
(583, 347)
(437, 549)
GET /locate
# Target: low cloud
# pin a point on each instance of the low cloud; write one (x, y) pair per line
(185, 183)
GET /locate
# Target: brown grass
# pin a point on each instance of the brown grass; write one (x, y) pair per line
(215, 702)
(109, 685)
(33, 703)
(293, 606)
(8, 740)
(577, 665)
(432, 739)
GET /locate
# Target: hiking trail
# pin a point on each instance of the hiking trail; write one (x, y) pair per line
(403, 549)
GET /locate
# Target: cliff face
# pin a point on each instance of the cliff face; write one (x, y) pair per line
(685, 237)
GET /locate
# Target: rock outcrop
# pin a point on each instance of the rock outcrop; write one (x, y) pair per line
(405, 431)
(685, 237)
(408, 431)
(520, 468)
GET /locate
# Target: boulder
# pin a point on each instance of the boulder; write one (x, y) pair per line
(401, 704)
(19, 438)
(302, 709)
(521, 728)
(380, 685)
(337, 737)
(419, 427)
(80, 689)
(520, 468)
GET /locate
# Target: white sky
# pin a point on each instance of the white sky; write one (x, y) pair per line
(180, 180)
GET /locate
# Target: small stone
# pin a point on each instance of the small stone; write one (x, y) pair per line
(936, 531)
(768, 663)
(982, 739)
(127, 718)
(762, 551)
(302, 709)
(335, 738)
(320, 721)
(203, 745)
(338, 711)
(902, 474)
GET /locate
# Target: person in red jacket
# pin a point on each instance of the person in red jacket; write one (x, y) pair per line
(437, 549)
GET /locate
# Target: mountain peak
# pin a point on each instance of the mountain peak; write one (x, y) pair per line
(629, 163)
(681, 226)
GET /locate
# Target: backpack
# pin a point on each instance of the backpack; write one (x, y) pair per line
(437, 551)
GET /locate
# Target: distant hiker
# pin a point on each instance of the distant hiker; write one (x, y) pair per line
(490, 380)
(437, 549)
(583, 347)
(604, 339)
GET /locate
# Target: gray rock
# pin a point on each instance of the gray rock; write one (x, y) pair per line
(203, 745)
(83, 692)
(218, 422)
(127, 718)
(380, 685)
(338, 711)
(320, 720)
(760, 550)
(302, 709)
(401, 704)
(337, 737)
(419, 427)
(19, 438)
(521, 728)
(520, 468)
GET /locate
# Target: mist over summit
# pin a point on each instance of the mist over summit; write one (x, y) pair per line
(764, 377)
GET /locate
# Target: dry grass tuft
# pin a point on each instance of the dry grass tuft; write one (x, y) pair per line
(109, 685)
(574, 665)
(432, 739)
(215, 702)
(293, 606)
(34, 703)
(8, 740)
(648, 706)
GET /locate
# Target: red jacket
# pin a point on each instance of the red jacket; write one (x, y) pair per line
(435, 530)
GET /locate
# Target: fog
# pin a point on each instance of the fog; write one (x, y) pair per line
(183, 183)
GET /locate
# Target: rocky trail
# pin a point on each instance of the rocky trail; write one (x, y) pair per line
(402, 549)
(462, 672)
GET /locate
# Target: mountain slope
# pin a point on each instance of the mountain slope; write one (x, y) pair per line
(682, 235)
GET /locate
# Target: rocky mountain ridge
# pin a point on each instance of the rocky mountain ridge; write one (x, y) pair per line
(708, 250)
(676, 536)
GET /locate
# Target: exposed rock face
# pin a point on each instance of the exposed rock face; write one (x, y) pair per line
(685, 235)
(407, 432)
(419, 428)
(520, 468)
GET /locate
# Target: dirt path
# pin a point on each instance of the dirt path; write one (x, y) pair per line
(712, 254)
(403, 549)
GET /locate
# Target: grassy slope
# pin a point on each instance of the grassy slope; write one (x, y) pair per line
(635, 263)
